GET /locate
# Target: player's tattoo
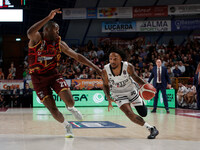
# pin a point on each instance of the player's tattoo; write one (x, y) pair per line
(139, 120)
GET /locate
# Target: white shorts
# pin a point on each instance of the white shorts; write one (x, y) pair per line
(127, 97)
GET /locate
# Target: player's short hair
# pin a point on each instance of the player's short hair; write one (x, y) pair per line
(118, 51)
(49, 24)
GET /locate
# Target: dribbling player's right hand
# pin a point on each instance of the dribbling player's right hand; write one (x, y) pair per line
(110, 106)
(54, 12)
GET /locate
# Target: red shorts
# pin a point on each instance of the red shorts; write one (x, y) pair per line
(44, 84)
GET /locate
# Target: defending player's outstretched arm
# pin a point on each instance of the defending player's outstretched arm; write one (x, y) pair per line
(33, 33)
(136, 78)
(78, 57)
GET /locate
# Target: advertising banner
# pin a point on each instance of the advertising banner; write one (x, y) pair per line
(153, 26)
(81, 83)
(91, 13)
(98, 98)
(17, 83)
(119, 26)
(81, 97)
(150, 11)
(170, 96)
(74, 13)
(114, 12)
(184, 9)
(189, 24)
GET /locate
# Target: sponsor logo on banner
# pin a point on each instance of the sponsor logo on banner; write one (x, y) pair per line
(74, 13)
(114, 12)
(150, 11)
(184, 9)
(154, 26)
(91, 13)
(119, 27)
(87, 82)
(81, 97)
(190, 24)
(17, 83)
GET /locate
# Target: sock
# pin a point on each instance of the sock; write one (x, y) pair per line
(70, 108)
(146, 125)
(65, 123)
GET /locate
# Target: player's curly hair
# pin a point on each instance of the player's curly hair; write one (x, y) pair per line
(118, 51)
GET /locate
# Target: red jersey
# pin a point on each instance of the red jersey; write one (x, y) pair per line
(44, 56)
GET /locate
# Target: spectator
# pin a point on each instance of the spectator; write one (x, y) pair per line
(181, 67)
(176, 71)
(96, 87)
(27, 96)
(12, 71)
(2, 77)
(2, 102)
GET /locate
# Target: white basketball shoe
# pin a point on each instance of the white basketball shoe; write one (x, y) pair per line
(69, 133)
(77, 114)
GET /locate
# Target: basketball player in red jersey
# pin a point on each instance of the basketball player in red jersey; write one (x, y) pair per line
(121, 80)
(44, 53)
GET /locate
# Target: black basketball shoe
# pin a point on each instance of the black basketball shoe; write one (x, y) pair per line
(153, 133)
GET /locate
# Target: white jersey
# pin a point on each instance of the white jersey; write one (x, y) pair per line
(121, 83)
(122, 87)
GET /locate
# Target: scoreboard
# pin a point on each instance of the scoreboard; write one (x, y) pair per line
(11, 10)
(12, 3)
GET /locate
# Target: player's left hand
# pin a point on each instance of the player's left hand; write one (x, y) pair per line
(54, 12)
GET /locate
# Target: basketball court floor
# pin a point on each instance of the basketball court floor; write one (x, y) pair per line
(35, 129)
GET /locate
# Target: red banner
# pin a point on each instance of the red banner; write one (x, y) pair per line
(150, 11)
(87, 83)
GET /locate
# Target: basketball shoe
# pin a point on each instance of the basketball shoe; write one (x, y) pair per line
(69, 133)
(77, 114)
(153, 133)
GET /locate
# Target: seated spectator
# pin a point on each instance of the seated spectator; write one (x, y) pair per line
(15, 96)
(96, 87)
(146, 74)
(170, 73)
(182, 90)
(2, 77)
(100, 52)
(176, 71)
(181, 67)
(12, 72)
(83, 75)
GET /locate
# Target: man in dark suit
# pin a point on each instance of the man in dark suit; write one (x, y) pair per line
(161, 79)
(196, 82)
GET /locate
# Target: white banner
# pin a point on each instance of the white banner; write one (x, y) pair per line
(153, 26)
(74, 13)
(11, 83)
(184, 9)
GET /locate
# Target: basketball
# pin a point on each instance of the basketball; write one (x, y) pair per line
(147, 91)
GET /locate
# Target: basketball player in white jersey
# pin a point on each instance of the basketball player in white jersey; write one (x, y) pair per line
(121, 80)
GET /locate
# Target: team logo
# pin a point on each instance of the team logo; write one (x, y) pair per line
(98, 98)
(124, 72)
(110, 74)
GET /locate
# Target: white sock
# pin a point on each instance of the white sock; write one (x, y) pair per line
(146, 125)
(65, 123)
(70, 108)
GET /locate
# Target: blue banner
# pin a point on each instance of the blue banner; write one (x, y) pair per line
(119, 26)
(183, 24)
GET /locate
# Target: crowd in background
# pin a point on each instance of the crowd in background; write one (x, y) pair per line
(180, 60)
